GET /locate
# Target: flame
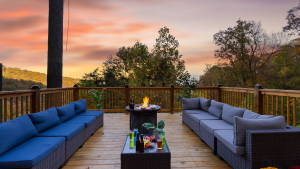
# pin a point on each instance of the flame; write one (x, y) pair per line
(146, 101)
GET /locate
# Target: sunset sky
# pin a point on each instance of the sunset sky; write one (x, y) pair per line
(98, 28)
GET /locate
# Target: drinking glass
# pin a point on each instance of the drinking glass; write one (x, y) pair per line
(131, 135)
(162, 137)
(135, 131)
(131, 144)
(159, 144)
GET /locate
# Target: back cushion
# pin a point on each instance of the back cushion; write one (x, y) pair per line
(250, 115)
(242, 124)
(66, 112)
(204, 104)
(229, 112)
(190, 104)
(80, 106)
(15, 132)
(265, 116)
(45, 119)
(216, 108)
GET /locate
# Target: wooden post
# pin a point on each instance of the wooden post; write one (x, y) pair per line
(75, 93)
(219, 93)
(172, 99)
(127, 97)
(35, 102)
(258, 99)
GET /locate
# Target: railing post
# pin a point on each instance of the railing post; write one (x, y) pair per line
(35, 102)
(258, 99)
(172, 99)
(75, 93)
(127, 95)
(219, 93)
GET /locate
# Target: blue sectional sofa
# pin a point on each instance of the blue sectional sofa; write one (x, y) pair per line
(242, 138)
(47, 139)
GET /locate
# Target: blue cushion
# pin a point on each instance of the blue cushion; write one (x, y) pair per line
(15, 132)
(80, 106)
(31, 152)
(91, 113)
(45, 119)
(87, 120)
(66, 112)
(216, 108)
(205, 104)
(229, 112)
(63, 130)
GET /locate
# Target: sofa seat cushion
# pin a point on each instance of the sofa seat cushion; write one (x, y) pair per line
(226, 137)
(241, 125)
(87, 120)
(203, 116)
(66, 112)
(63, 130)
(229, 112)
(204, 104)
(212, 125)
(31, 152)
(15, 132)
(190, 104)
(91, 113)
(198, 111)
(45, 119)
(80, 106)
(216, 108)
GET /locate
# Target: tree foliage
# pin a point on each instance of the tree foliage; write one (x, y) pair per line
(293, 21)
(245, 49)
(138, 67)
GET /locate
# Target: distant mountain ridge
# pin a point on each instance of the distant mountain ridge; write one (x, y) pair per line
(22, 79)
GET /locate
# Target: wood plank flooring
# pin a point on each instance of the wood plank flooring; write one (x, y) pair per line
(103, 149)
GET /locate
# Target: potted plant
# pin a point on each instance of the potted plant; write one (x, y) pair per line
(97, 97)
(158, 132)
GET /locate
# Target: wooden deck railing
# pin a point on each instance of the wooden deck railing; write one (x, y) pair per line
(263, 101)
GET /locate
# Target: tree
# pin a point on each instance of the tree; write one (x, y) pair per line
(247, 48)
(55, 43)
(136, 62)
(167, 66)
(293, 21)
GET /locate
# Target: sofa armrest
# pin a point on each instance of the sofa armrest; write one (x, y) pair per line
(273, 147)
(190, 103)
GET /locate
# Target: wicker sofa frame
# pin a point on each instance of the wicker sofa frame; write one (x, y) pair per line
(264, 148)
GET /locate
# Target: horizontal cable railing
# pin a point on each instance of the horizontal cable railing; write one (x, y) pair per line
(115, 99)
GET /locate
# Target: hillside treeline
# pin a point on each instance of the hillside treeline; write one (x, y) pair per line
(247, 56)
(18, 79)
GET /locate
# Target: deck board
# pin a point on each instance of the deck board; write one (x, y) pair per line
(103, 149)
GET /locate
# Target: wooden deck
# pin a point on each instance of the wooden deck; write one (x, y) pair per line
(102, 150)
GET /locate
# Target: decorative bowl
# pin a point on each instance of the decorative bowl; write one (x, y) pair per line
(153, 107)
(143, 108)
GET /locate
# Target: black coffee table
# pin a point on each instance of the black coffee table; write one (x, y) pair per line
(139, 117)
(151, 158)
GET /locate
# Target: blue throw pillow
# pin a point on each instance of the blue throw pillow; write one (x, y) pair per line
(80, 106)
(229, 112)
(45, 119)
(216, 108)
(205, 104)
(66, 112)
(15, 132)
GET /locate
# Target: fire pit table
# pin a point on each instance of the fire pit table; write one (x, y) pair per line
(139, 117)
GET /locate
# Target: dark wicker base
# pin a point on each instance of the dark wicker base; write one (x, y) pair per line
(54, 160)
(74, 143)
(236, 161)
(146, 161)
(184, 117)
(207, 137)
